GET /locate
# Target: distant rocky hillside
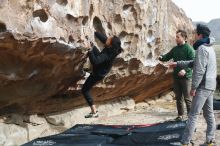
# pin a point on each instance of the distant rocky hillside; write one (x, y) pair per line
(214, 25)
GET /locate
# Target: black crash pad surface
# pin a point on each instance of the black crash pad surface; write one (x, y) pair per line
(216, 104)
(160, 134)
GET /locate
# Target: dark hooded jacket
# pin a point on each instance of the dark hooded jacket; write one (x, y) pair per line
(102, 61)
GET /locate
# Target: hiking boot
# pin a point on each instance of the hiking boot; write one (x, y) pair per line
(209, 144)
(179, 118)
(189, 144)
(92, 115)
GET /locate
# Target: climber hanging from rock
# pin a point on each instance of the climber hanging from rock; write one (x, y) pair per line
(101, 64)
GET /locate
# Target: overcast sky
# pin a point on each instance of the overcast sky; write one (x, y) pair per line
(200, 10)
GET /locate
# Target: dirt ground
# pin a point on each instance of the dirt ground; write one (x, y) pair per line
(157, 111)
(120, 112)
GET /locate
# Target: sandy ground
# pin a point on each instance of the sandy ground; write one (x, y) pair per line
(120, 112)
(157, 111)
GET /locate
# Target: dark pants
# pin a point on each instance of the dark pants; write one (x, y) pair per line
(87, 86)
(182, 92)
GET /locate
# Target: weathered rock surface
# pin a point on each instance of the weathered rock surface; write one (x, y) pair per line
(16, 129)
(42, 55)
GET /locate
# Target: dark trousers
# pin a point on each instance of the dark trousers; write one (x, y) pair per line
(182, 92)
(87, 86)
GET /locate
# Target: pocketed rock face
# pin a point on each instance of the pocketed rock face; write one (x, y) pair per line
(42, 54)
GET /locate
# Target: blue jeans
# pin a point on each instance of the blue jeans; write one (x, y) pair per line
(202, 101)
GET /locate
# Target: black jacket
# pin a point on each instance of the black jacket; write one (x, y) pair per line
(101, 61)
